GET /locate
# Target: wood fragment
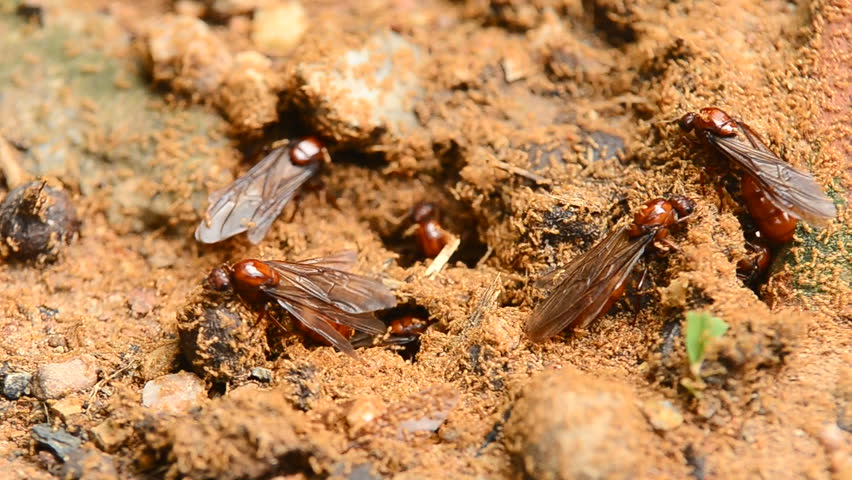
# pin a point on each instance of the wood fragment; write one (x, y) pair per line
(443, 257)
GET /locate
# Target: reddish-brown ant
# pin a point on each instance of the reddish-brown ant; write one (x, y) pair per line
(319, 293)
(776, 225)
(408, 326)
(431, 238)
(591, 283)
(751, 268)
(256, 199)
(775, 193)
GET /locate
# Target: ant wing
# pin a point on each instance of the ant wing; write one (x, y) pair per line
(587, 284)
(349, 292)
(343, 261)
(254, 200)
(792, 190)
(315, 321)
(293, 296)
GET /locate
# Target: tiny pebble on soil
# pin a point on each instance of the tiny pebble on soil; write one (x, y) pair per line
(55, 380)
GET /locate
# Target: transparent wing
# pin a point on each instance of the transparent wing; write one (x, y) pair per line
(789, 189)
(349, 292)
(295, 296)
(344, 260)
(586, 285)
(317, 323)
(254, 200)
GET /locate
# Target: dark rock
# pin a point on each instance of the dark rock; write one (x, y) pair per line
(16, 385)
(613, 18)
(304, 384)
(671, 334)
(31, 12)
(59, 442)
(696, 461)
(36, 222)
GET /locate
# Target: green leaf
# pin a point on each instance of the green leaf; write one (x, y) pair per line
(701, 329)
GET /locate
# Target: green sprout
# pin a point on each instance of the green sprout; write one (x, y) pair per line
(702, 328)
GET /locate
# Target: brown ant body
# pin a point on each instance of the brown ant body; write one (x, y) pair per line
(591, 283)
(323, 297)
(256, 199)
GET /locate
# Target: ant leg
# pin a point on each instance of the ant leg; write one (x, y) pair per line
(638, 294)
(669, 244)
(262, 314)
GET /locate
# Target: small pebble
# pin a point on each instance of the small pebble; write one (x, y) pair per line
(173, 394)
(36, 222)
(185, 53)
(67, 407)
(277, 29)
(363, 411)
(662, 414)
(16, 385)
(141, 301)
(56, 380)
(261, 374)
(160, 361)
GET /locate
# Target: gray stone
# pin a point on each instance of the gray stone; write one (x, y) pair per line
(59, 442)
(16, 385)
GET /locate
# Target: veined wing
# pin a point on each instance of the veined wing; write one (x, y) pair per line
(315, 321)
(343, 260)
(349, 292)
(254, 200)
(792, 190)
(290, 296)
(587, 284)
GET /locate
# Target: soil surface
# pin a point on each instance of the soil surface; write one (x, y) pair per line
(535, 127)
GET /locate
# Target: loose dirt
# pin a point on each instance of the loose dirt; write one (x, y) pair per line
(535, 127)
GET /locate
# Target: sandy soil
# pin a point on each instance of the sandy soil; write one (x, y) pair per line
(536, 127)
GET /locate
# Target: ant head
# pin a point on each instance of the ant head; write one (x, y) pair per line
(687, 122)
(219, 279)
(682, 205)
(423, 212)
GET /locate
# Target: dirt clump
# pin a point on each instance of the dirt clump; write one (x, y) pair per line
(568, 425)
(37, 221)
(219, 336)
